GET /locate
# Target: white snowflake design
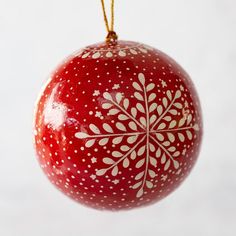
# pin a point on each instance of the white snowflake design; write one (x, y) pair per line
(153, 132)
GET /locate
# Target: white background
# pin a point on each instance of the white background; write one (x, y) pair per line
(36, 35)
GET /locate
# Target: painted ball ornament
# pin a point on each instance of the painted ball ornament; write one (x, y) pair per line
(118, 126)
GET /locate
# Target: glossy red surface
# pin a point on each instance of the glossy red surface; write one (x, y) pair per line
(118, 126)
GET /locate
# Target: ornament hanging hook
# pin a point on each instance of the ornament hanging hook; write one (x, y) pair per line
(111, 34)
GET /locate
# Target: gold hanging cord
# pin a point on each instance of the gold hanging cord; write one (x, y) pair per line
(111, 34)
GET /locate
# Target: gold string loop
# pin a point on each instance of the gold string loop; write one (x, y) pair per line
(111, 34)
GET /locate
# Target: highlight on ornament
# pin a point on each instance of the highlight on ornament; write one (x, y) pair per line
(118, 125)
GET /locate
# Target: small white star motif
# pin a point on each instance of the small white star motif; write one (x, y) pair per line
(98, 114)
(116, 86)
(116, 181)
(94, 159)
(163, 83)
(164, 177)
(96, 93)
(93, 177)
(186, 103)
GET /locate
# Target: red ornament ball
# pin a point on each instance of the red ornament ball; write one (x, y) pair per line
(118, 126)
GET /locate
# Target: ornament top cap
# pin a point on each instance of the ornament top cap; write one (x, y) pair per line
(111, 37)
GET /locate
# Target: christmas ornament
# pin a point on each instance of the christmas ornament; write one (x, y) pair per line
(118, 125)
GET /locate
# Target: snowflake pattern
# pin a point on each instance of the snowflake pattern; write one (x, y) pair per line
(152, 132)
